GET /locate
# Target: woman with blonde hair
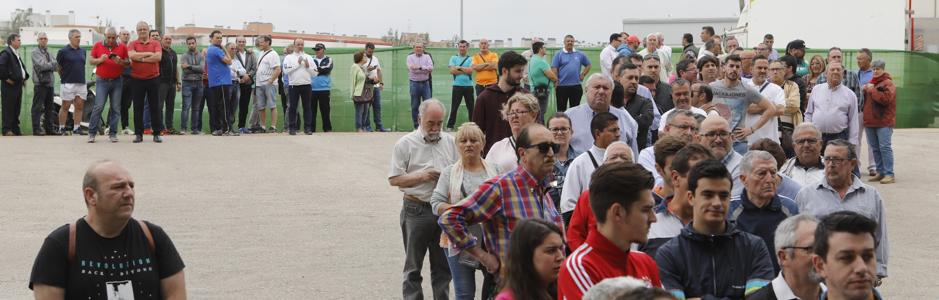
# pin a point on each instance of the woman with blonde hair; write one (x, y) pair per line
(520, 110)
(817, 67)
(458, 181)
(361, 89)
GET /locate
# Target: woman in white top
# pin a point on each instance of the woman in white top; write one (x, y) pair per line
(520, 110)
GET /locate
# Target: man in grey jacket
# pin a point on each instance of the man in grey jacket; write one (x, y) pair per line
(43, 70)
(250, 62)
(191, 64)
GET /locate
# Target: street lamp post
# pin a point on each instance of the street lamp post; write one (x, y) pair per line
(461, 19)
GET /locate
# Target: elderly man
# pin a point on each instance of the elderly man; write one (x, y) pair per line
(806, 166)
(572, 67)
(124, 256)
(43, 87)
(794, 241)
(746, 64)
(760, 81)
(145, 54)
(681, 100)
(715, 135)
(758, 209)
(738, 97)
(712, 258)
(485, 64)
(13, 76)
(416, 162)
(608, 54)
(640, 108)
(598, 100)
(169, 83)
(217, 60)
(71, 61)
(420, 65)
(300, 69)
(681, 124)
(246, 58)
(109, 57)
(487, 112)
(833, 108)
(497, 201)
(842, 190)
(605, 128)
(844, 244)
(654, 46)
(581, 219)
(791, 115)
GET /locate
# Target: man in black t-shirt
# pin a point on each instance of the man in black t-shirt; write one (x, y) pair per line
(107, 254)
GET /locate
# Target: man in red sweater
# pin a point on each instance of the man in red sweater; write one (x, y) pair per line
(621, 199)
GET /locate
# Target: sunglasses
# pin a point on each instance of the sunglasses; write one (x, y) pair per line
(543, 147)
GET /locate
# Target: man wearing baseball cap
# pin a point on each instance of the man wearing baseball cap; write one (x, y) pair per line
(796, 48)
(321, 85)
(629, 47)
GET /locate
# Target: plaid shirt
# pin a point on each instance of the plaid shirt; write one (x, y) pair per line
(499, 204)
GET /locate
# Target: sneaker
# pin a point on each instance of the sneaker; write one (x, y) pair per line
(872, 172)
(217, 133)
(91, 138)
(38, 133)
(64, 132)
(876, 178)
(113, 138)
(273, 129)
(293, 132)
(195, 132)
(147, 131)
(138, 139)
(382, 129)
(157, 139)
(243, 130)
(888, 180)
(81, 130)
(234, 133)
(308, 132)
(127, 131)
(164, 132)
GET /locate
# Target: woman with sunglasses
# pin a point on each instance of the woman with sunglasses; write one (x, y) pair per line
(536, 252)
(458, 181)
(520, 110)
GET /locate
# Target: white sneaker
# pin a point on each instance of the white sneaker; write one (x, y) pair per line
(127, 131)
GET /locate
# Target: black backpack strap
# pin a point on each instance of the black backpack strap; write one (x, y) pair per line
(593, 160)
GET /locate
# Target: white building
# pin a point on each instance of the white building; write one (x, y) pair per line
(59, 35)
(720, 14)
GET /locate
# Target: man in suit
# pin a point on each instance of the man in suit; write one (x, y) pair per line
(13, 76)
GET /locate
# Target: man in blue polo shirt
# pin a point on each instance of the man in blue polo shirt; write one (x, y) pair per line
(71, 60)
(461, 67)
(217, 60)
(759, 208)
(567, 65)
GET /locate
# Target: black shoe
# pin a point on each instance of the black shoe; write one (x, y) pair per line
(217, 133)
(293, 132)
(81, 131)
(308, 132)
(138, 139)
(38, 133)
(157, 139)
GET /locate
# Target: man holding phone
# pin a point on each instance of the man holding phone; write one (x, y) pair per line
(110, 58)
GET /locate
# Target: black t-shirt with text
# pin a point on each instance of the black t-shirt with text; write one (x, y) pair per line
(107, 268)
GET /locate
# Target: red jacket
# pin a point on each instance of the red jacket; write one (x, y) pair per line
(880, 103)
(582, 221)
(597, 259)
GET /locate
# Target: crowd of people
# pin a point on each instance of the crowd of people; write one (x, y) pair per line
(741, 180)
(723, 176)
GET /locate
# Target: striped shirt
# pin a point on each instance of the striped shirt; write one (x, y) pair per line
(598, 259)
(499, 204)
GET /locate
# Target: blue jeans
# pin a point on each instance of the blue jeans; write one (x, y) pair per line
(107, 89)
(420, 91)
(192, 106)
(361, 115)
(376, 107)
(880, 139)
(464, 279)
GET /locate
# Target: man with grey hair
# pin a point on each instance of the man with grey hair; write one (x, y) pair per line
(110, 58)
(613, 288)
(758, 209)
(145, 55)
(416, 162)
(420, 66)
(654, 46)
(833, 107)
(108, 235)
(246, 58)
(300, 68)
(794, 244)
(842, 190)
(598, 100)
(806, 166)
(43, 87)
(71, 61)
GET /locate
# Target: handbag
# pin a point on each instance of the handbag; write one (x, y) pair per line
(368, 92)
(464, 258)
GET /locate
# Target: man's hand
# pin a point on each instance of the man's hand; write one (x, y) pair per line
(741, 133)
(179, 87)
(10, 81)
(430, 175)
(185, 66)
(491, 262)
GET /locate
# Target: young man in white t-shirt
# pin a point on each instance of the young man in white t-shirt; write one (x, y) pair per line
(268, 71)
(770, 91)
(374, 73)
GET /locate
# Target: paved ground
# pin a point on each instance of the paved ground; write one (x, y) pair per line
(280, 217)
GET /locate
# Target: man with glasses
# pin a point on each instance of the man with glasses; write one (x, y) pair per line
(794, 241)
(681, 124)
(605, 129)
(43, 87)
(145, 55)
(759, 208)
(806, 166)
(109, 57)
(715, 135)
(791, 113)
(842, 190)
(502, 201)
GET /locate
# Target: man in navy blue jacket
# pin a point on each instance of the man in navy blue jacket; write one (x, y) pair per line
(711, 258)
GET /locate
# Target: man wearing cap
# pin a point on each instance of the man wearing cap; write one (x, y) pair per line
(796, 48)
(630, 46)
(321, 85)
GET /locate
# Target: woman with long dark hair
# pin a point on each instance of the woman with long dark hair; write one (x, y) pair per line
(536, 252)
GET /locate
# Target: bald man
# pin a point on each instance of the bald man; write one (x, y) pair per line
(108, 251)
(715, 135)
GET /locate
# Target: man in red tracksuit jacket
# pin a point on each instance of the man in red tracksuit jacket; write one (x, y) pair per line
(621, 199)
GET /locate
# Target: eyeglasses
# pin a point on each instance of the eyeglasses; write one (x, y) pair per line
(543, 147)
(560, 129)
(806, 248)
(517, 112)
(721, 134)
(835, 160)
(806, 141)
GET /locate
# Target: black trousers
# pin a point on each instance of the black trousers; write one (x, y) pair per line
(460, 93)
(480, 89)
(218, 117)
(568, 95)
(11, 101)
(168, 96)
(321, 99)
(147, 89)
(127, 98)
(43, 108)
(304, 95)
(243, 102)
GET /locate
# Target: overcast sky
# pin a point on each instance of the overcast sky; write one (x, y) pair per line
(590, 20)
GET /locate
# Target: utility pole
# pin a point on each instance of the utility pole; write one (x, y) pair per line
(461, 20)
(159, 19)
